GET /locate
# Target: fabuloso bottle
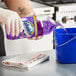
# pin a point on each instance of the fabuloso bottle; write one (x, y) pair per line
(34, 28)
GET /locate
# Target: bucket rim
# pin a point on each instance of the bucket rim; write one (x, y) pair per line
(64, 33)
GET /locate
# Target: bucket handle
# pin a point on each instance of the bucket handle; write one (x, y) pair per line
(66, 42)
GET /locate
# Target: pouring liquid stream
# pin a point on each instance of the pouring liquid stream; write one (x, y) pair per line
(57, 24)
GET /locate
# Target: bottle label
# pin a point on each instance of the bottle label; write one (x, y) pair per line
(28, 27)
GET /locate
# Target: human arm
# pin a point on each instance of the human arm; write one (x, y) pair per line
(22, 7)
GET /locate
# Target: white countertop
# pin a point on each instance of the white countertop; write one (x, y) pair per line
(48, 68)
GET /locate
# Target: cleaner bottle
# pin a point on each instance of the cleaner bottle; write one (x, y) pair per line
(35, 28)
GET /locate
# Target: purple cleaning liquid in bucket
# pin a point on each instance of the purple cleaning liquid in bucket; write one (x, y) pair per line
(34, 28)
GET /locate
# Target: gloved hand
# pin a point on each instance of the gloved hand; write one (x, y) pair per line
(12, 21)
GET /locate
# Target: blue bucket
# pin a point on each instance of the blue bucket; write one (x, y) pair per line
(65, 44)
